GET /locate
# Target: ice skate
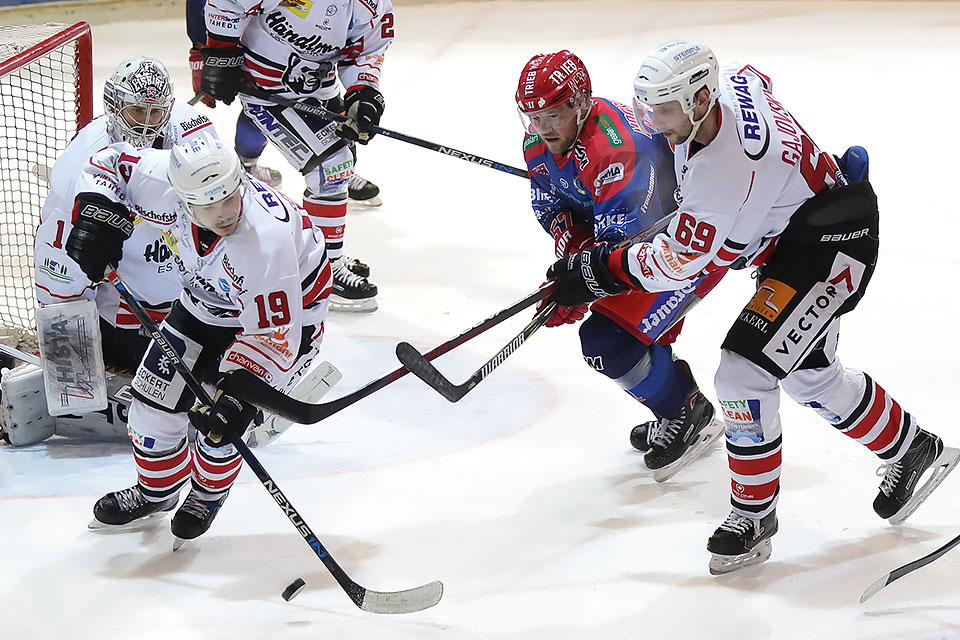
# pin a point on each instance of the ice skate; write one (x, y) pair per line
(679, 440)
(361, 192)
(123, 509)
(264, 174)
(362, 269)
(194, 517)
(899, 494)
(351, 292)
(640, 435)
(741, 542)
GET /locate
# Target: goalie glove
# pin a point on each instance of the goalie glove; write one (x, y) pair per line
(583, 277)
(229, 414)
(363, 106)
(220, 74)
(100, 226)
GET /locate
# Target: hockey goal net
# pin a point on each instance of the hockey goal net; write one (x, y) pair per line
(46, 95)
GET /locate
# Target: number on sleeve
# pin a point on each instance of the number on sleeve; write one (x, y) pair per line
(386, 25)
(278, 305)
(696, 235)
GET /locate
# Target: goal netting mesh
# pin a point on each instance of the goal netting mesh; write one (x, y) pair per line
(45, 96)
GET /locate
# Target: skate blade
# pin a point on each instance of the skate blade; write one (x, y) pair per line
(345, 305)
(375, 201)
(941, 468)
(701, 447)
(720, 565)
(177, 543)
(136, 525)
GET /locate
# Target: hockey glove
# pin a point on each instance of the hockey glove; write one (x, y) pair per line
(196, 70)
(220, 74)
(583, 277)
(100, 227)
(229, 414)
(364, 106)
(563, 315)
(569, 237)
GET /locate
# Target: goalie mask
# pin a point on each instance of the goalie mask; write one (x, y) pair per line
(208, 179)
(667, 84)
(138, 98)
(553, 98)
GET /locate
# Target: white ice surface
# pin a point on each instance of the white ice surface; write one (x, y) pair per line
(525, 498)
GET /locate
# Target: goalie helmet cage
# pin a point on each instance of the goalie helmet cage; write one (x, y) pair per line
(46, 95)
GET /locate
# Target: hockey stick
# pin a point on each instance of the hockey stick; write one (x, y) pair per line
(406, 601)
(19, 355)
(421, 367)
(899, 572)
(197, 97)
(316, 110)
(269, 399)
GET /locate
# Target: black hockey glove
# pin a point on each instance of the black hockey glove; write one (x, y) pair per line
(228, 414)
(99, 229)
(583, 277)
(364, 107)
(220, 76)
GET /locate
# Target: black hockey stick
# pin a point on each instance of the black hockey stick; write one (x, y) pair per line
(421, 367)
(406, 601)
(269, 399)
(899, 572)
(316, 110)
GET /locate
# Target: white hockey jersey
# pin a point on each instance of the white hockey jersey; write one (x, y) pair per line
(147, 266)
(269, 278)
(297, 50)
(736, 194)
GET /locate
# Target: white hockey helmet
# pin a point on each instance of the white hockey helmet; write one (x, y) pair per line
(203, 171)
(138, 98)
(677, 70)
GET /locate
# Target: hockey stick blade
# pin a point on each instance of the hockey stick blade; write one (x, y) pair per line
(899, 572)
(420, 367)
(409, 601)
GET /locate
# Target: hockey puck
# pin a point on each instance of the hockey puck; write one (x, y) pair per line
(293, 589)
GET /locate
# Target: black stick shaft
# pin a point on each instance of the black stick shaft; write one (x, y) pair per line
(317, 110)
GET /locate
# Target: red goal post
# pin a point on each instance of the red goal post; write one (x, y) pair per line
(46, 95)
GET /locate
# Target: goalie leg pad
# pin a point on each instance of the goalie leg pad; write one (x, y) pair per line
(108, 424)
(310, 388)
(24, 419)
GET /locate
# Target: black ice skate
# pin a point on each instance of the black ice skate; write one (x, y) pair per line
(125, 508)
(362, 269)
(362, 192)
(741, 542)
(679, 440)
(264, 174)
(640, 435)
(351, 292)
(899, 495)
(194, 517)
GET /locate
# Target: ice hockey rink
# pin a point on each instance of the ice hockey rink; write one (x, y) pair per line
(525, 497)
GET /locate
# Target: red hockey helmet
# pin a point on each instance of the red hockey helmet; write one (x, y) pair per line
(551, 79)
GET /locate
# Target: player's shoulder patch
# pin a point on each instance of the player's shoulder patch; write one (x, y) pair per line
(609, 129)
(745, 95)
(531, 140)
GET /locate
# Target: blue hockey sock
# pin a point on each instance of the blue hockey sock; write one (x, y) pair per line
(664, 387)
